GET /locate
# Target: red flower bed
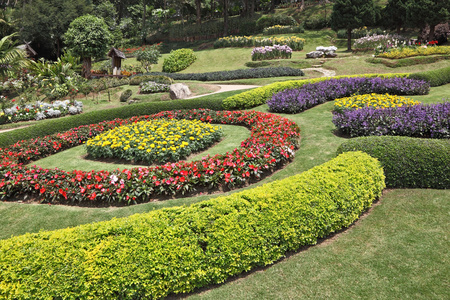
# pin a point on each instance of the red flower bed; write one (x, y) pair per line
(271, 145)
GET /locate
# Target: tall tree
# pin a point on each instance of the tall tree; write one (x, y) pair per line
(420, 13)
(88, 37)
(43, 22)
(225, 17)
(351, 14)
(198, 10)
(394, 14)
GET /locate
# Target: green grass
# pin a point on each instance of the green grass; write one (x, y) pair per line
(75, 158)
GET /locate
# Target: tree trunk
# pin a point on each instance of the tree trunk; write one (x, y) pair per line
(86, 69)
(198, 6)
(58, 47)
(144, 31)
(349, 39)
(252, 8)
(431, 34)
(225, 17)
(245, 10)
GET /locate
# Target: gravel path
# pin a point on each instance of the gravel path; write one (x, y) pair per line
(227, 88)
(325, 72)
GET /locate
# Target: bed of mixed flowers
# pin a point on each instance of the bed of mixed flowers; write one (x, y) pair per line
(154, 141)
(372, 100)
(271, 145)
(271, 52)
(295, 43)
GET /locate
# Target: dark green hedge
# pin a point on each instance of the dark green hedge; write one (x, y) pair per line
(234, 74)
(434, 77)
(48, 127)
(407, 162)
(175, 250)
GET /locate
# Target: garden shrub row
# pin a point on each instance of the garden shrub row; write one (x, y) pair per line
(178, 60)
(179, 249)
(425, 121)
(163, 79)
(309, 95)
(235, 74)
(405, 62)
(48, 127)
(259, 96)
(407, 162)
(434, 77)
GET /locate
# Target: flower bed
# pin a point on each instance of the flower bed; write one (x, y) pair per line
(154, 141)
(40, 111)
(432, 121)
(269, 52)
(153, 87)
(378, 41)
(294, 42)
(372, 100)
(414, 51)
(309, 95)
(271, 145)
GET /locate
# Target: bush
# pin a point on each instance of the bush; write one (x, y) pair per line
(272, 20)
(125, 95)
(260, 95)
(434, 77)
(48, 127)
(257, 64)
(405, 62)
(317, 23)
(430, 121)
(178, 249)
(163, 79)
(236, 74)
(178, 60)
(407, 162)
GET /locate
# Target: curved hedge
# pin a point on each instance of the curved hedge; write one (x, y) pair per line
(259, 96)
(47, 127)
(175, 250)
(234, 74)
(271, 145)
(434, 77)
(407, 162)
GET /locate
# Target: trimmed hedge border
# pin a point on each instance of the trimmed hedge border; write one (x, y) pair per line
(271, 145)
(175, 250)
(259, 96)
(235, 74)
(47, 127)
(434, 77)
(407, 162)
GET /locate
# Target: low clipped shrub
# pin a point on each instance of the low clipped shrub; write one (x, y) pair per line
(257, 64)
(272, 20)
(259, 96)
(429, 121)
(407, 162)
(279, 29)
(296, 100)
(179, 249)
(126, 95)
(137, 80)
(236, 74)
(434, 77)
(405, 62)
(178, 60)
(51, 126)
(153, 87)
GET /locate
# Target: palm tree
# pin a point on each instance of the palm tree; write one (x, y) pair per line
(11, 58)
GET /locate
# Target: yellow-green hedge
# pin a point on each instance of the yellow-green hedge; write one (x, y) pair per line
(175, 250)
(260, 95)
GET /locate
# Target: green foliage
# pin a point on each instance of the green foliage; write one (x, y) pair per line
(420, 13)
(88, 36)
(137, 80)
(434, 77)
(11, 58)
(258, 96)
(316, 23)
(47, 127)
(178, 60)
(407, 162)
(411, 61)
(125, 95)
(257, 64)
(272, 20)
(147, 58)
(176, 250)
